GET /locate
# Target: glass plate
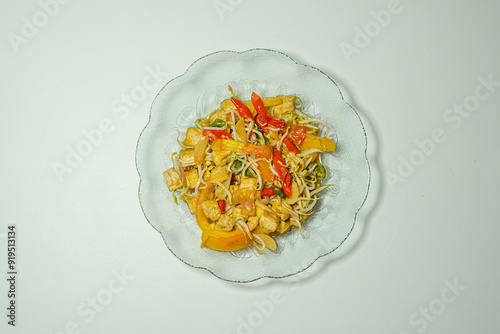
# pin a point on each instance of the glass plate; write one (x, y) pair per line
(198, 92)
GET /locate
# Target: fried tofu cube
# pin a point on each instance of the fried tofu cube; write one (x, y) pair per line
(220, 157)
(239, 213)
(191, 202)
(287, 105)
(220, 192)
(248, 207)
(225, 223)
(220, 174)
(186, 157)
(243, 194)
(252, 222)
(233, 190)
(193, 136)
(173, 179)
(269, 221)
(192, 178)
(211, 210)
(248, 182)
(247, 187)
(258, 209)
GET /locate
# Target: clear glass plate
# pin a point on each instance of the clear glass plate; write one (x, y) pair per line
(198, 92)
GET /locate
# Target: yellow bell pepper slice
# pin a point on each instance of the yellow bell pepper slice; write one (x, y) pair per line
(261, 151)
(320, 143)
(214, 239)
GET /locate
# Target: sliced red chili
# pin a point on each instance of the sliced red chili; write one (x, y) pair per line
(242, 108)
(267, 192)
(217, 134)
(275, 122)
(290, 145)
(287, 185)
(259, 105)
(222, 205)
(279, 164)
(261, 121)
(262, 111)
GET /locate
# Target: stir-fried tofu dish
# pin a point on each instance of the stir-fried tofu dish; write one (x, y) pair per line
(250, 171)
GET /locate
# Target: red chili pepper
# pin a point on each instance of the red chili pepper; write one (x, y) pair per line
(279, 164)
(262, 111)
(261, 121)
(287, 185)
(290, 145)
(242, 108)
(267, 192)
(298, 134)
(250, 134)
(217, 134)
(234, 178)
(275, 122)
(259, 105)
(222, 205)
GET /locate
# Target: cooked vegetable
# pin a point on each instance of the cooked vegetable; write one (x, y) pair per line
(279, 164)
(320, 143)
(218, 123)
(291, 147)
(320, 172)
(259, 106)
(267, 192)
(298, 134)
(287, 185)
(278, 192)
(261, 121)
(240, 130)
(199, 150)
(173, 179)
(262, 151)
(262, 111)
(217, 134)
(193, 135)
(242, 108)
(247, 175)
(222, 205)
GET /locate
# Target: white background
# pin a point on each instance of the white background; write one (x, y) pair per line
(435, 225)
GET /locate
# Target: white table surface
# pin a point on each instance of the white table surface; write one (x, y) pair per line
(421, 257)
